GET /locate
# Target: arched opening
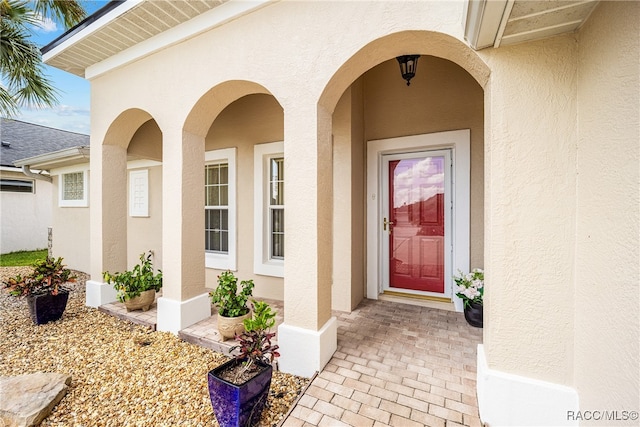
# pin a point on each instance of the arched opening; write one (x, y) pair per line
(378, 115)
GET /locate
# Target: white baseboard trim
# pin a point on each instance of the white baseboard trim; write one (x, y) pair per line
(99, 293)
(303, 351)
(174, 316)
(512, 400)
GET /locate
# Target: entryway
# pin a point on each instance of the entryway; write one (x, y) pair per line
(417, 214)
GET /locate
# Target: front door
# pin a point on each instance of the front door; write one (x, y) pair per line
(416, 212)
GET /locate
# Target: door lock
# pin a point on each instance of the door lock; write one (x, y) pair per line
(389, 223)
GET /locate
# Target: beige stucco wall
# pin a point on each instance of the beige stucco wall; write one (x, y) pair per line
(146, 143)
(71, 231)
(25, 217)
(607, 308)
(348, 201)
(145, 233)
(530, 184)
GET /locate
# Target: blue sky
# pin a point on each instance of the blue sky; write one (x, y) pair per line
(72, 113)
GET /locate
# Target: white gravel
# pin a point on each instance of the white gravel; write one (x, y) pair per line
(122, 374)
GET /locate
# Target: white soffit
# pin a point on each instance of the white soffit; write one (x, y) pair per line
(531, 20)
(137, 28)
(505, 22)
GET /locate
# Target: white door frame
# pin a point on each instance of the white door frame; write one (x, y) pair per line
(459, 142)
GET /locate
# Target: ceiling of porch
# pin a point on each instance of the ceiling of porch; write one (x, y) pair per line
(121, 25)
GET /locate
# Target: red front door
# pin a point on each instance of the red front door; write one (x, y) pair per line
(416, 231)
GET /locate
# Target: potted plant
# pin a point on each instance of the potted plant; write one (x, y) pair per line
(470, 287)
(232, 305)
(46, 297)
(239, 388)
(137, 288)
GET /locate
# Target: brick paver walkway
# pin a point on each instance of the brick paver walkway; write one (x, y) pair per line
(396, 365)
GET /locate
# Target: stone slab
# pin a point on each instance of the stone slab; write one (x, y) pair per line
(26, 400)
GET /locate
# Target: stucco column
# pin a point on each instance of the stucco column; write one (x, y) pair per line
(108, 218)
(308, 336)
(184, 298)
(526, 360)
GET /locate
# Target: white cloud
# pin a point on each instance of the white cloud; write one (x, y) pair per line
(68, 110)
(46, 25)
(73, 120)
(418, 180)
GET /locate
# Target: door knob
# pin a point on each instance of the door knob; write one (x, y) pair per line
(389, 223)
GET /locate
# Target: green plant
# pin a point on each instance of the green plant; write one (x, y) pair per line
(226, 297)
(470, 286)
(130, 284)
(255, 344)
(48, 276)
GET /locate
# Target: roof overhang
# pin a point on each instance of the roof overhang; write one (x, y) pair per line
(56, 159)
(495, 23)
(125, 31)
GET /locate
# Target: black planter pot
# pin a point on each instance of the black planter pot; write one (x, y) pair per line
(473, 314)
(47, 308)
(238, 405)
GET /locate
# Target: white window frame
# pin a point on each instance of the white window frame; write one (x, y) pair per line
(262, 263)
(226, 261)
(20, 183)
(140, 207)
(82, 203)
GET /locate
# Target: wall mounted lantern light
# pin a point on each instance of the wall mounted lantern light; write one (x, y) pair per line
(408, 66)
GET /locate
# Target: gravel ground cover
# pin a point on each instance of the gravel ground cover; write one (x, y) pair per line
(122, 374)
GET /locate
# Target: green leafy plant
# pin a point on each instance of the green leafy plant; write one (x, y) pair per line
(48, 276)
(226, 297)
(470, 286)
(130, 284)
(255, 345)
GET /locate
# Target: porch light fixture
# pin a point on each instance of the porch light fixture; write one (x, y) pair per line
(408, 66)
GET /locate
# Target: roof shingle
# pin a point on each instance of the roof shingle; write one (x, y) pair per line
(21, 140)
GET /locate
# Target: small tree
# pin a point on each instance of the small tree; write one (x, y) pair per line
(255, 344)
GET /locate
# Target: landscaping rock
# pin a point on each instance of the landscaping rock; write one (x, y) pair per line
(26, 400)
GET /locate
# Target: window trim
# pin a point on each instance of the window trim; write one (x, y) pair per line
(226, 261)
(262, 263)
(82, 203)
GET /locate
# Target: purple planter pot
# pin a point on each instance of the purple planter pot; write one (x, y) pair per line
(47, 308)
(238, 405)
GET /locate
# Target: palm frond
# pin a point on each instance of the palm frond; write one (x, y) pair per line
(69, 12)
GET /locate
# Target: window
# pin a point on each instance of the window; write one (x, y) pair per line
(74, 189)
(16, 185)
(269, 202)
(216, 189)
(276, 207)
(220, 216)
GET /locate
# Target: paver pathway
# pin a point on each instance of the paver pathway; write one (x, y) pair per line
(397, 365)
